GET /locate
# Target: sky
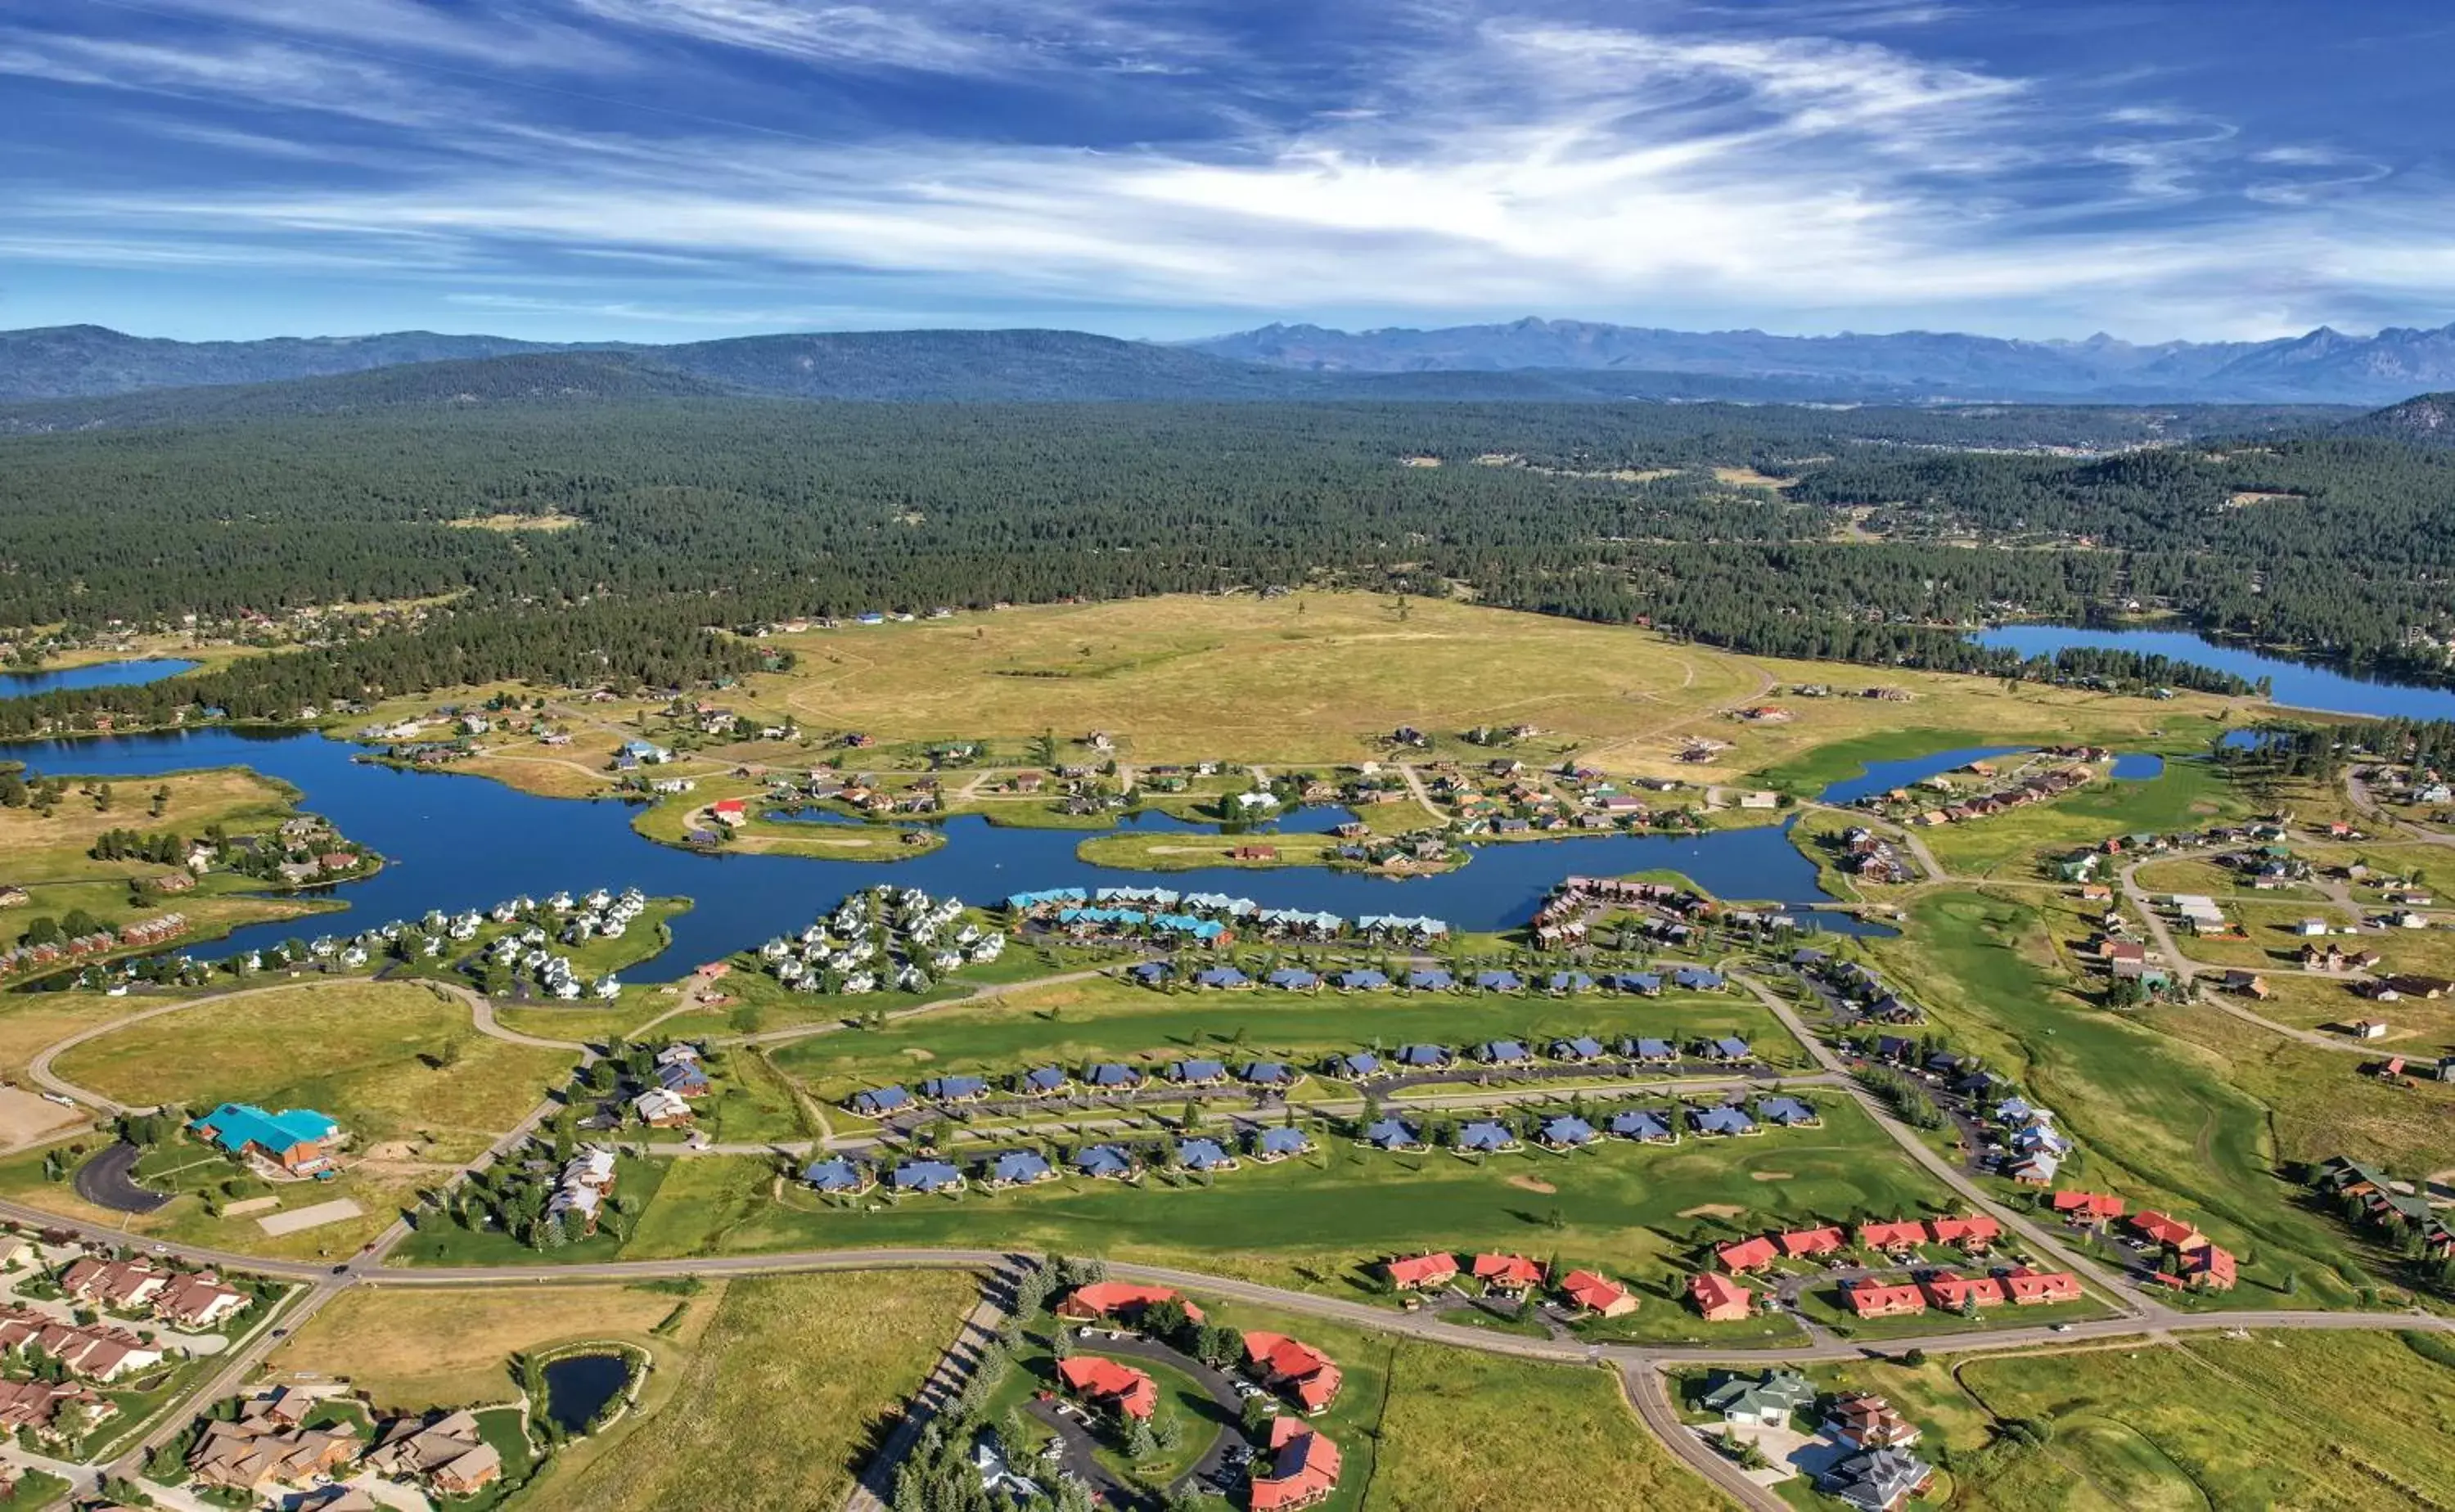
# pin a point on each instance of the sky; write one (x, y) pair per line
(677, 170)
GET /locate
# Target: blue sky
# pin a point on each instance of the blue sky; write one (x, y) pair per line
(670, 170)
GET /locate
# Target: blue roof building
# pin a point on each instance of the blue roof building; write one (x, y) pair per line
(1498, 980)
(1503, 1052)
(925, 1176)
(1644, 983)
(1655, 1050)
(1197, 1073)
(1277, 1144)
(955, 1089)
(682, 1079)
(1568, 982)
(1729, 1047)
(1263, 1073)
(1698, 978)
(1104, 1160)
(1423, 1056)
(1786, 1112)
(1581, 1048)
(1487, 1136)
(1151, 973)
(837, 1175)
(1221, 977)
(1294, 978)
(1567, 1132)
(1356, 1067)
(1046, 1079)
(1112, 1077)
(1019, 1168)
(1651, 1128)
(1392, 1134)
(1363, 980)
(1430, 978)
(298, 1140)
(878, 1101)
(1720, 1121)
(1203, 1154)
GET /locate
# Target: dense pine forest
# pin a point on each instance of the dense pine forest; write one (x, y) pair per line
(1890, 532)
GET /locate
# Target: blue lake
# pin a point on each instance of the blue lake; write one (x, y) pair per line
(454, 842)
(2296, 684)
(1882, 776)
(2139, 766)
(101, 674)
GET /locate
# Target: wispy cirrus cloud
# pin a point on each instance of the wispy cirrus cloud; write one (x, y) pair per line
(1822, 159)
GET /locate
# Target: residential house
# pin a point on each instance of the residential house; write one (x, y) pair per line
(1742, 1256)
(1415, 1273)
(1106, 1301)
(1505, 1275)
(1595, 1295)
(266, 1448)
(1880, 1481)
(1120, 1388)
(1807, 1242)
(1765, 1401)
(446, 1451)
(2087, 1208)
(1303, 1469)
(2028, 1288)
(1294, 1369)
(1875, 1298)
(1865, 1420)
(1719, 1299)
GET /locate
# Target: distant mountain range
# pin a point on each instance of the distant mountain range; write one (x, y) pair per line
(69, 377)
(2324, 367)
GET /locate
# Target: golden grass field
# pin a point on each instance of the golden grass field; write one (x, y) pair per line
(34, 849)
(1469, 1432)
(783, 1391)
(412, 1348)
(350, 1048)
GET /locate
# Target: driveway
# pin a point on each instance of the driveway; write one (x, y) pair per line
(105, 1181)
(1219, 1387)
(1076, 1458)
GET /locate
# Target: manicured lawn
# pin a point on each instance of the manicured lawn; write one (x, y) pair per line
(1176, 852)
(411, 1348)
(1316, 1223)
(393, 1061)
(1103, 1020)
(792, 1380)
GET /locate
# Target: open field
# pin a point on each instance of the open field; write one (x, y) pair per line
(1104, 1020)
(393, 1061)
(37, 849)
(1455, 1434)
(2321, 1422)
(2168, 1106)
(413, 1348)
(1309, 677)
(789, 1384)
(2186, 795)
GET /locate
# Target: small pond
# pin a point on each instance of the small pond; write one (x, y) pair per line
(2139, 766)
(579, 1387)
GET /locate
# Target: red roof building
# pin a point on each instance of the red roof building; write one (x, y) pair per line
(1801, 1243)
(1869, 1298)
(1416, 1272)
(1102, 1300)
(1507, 1272)
(2085, 1207)
(1120, 1387)
(1955, 1293)
(2030, 1287)
(1720, 1299)
(1303, 1469)
(2207, 1268)
(1590, 1292)
(1295, 1369)
(1746, 1255)
(1867, 1421)
(1969, 1233)
(1908, 1235)
(2162, 1229)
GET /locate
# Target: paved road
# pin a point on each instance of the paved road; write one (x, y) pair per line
(874, 1489)
(2128, 1295)
(1649, 1395)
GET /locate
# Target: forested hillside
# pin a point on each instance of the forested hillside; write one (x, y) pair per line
(1887, 534)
